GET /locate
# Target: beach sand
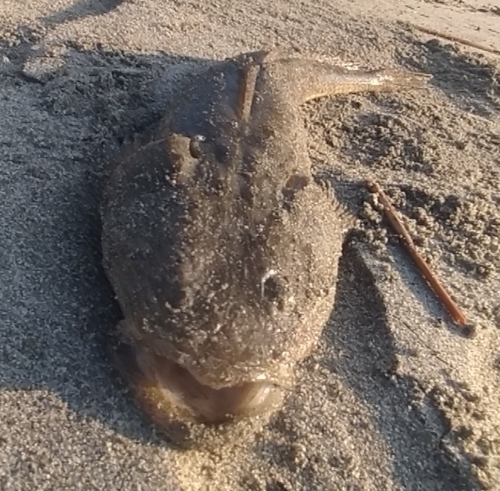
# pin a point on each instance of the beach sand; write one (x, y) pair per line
(395, 397)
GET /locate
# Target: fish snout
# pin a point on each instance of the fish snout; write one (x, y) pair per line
(181, 394)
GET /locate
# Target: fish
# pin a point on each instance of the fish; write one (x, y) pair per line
(221, 245)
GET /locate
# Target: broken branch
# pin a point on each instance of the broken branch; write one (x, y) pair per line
(399, 227)
(455, 39)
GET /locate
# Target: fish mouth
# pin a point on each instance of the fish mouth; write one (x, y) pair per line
(168, 392)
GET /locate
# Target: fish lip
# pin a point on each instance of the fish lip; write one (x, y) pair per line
(182, 390)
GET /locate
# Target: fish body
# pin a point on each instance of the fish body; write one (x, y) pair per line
(220, 245)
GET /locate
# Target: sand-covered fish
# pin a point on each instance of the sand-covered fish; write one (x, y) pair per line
(221, 247)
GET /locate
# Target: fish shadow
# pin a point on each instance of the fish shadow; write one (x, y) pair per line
(366, 361)
(57, 307)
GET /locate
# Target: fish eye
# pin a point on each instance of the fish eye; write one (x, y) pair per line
(221, 152)
(294, 184)
(272, 288)
(194, 145)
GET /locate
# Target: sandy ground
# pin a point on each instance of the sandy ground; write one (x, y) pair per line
(394, 398)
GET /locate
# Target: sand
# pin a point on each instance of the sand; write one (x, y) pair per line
(395, 397)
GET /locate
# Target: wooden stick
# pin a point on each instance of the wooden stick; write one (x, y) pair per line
(449, 37)
(452, 308)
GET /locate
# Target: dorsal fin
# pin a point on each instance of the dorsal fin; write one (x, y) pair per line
(246, 91)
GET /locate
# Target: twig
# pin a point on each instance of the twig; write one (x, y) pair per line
(452, 308)
(456, 39)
